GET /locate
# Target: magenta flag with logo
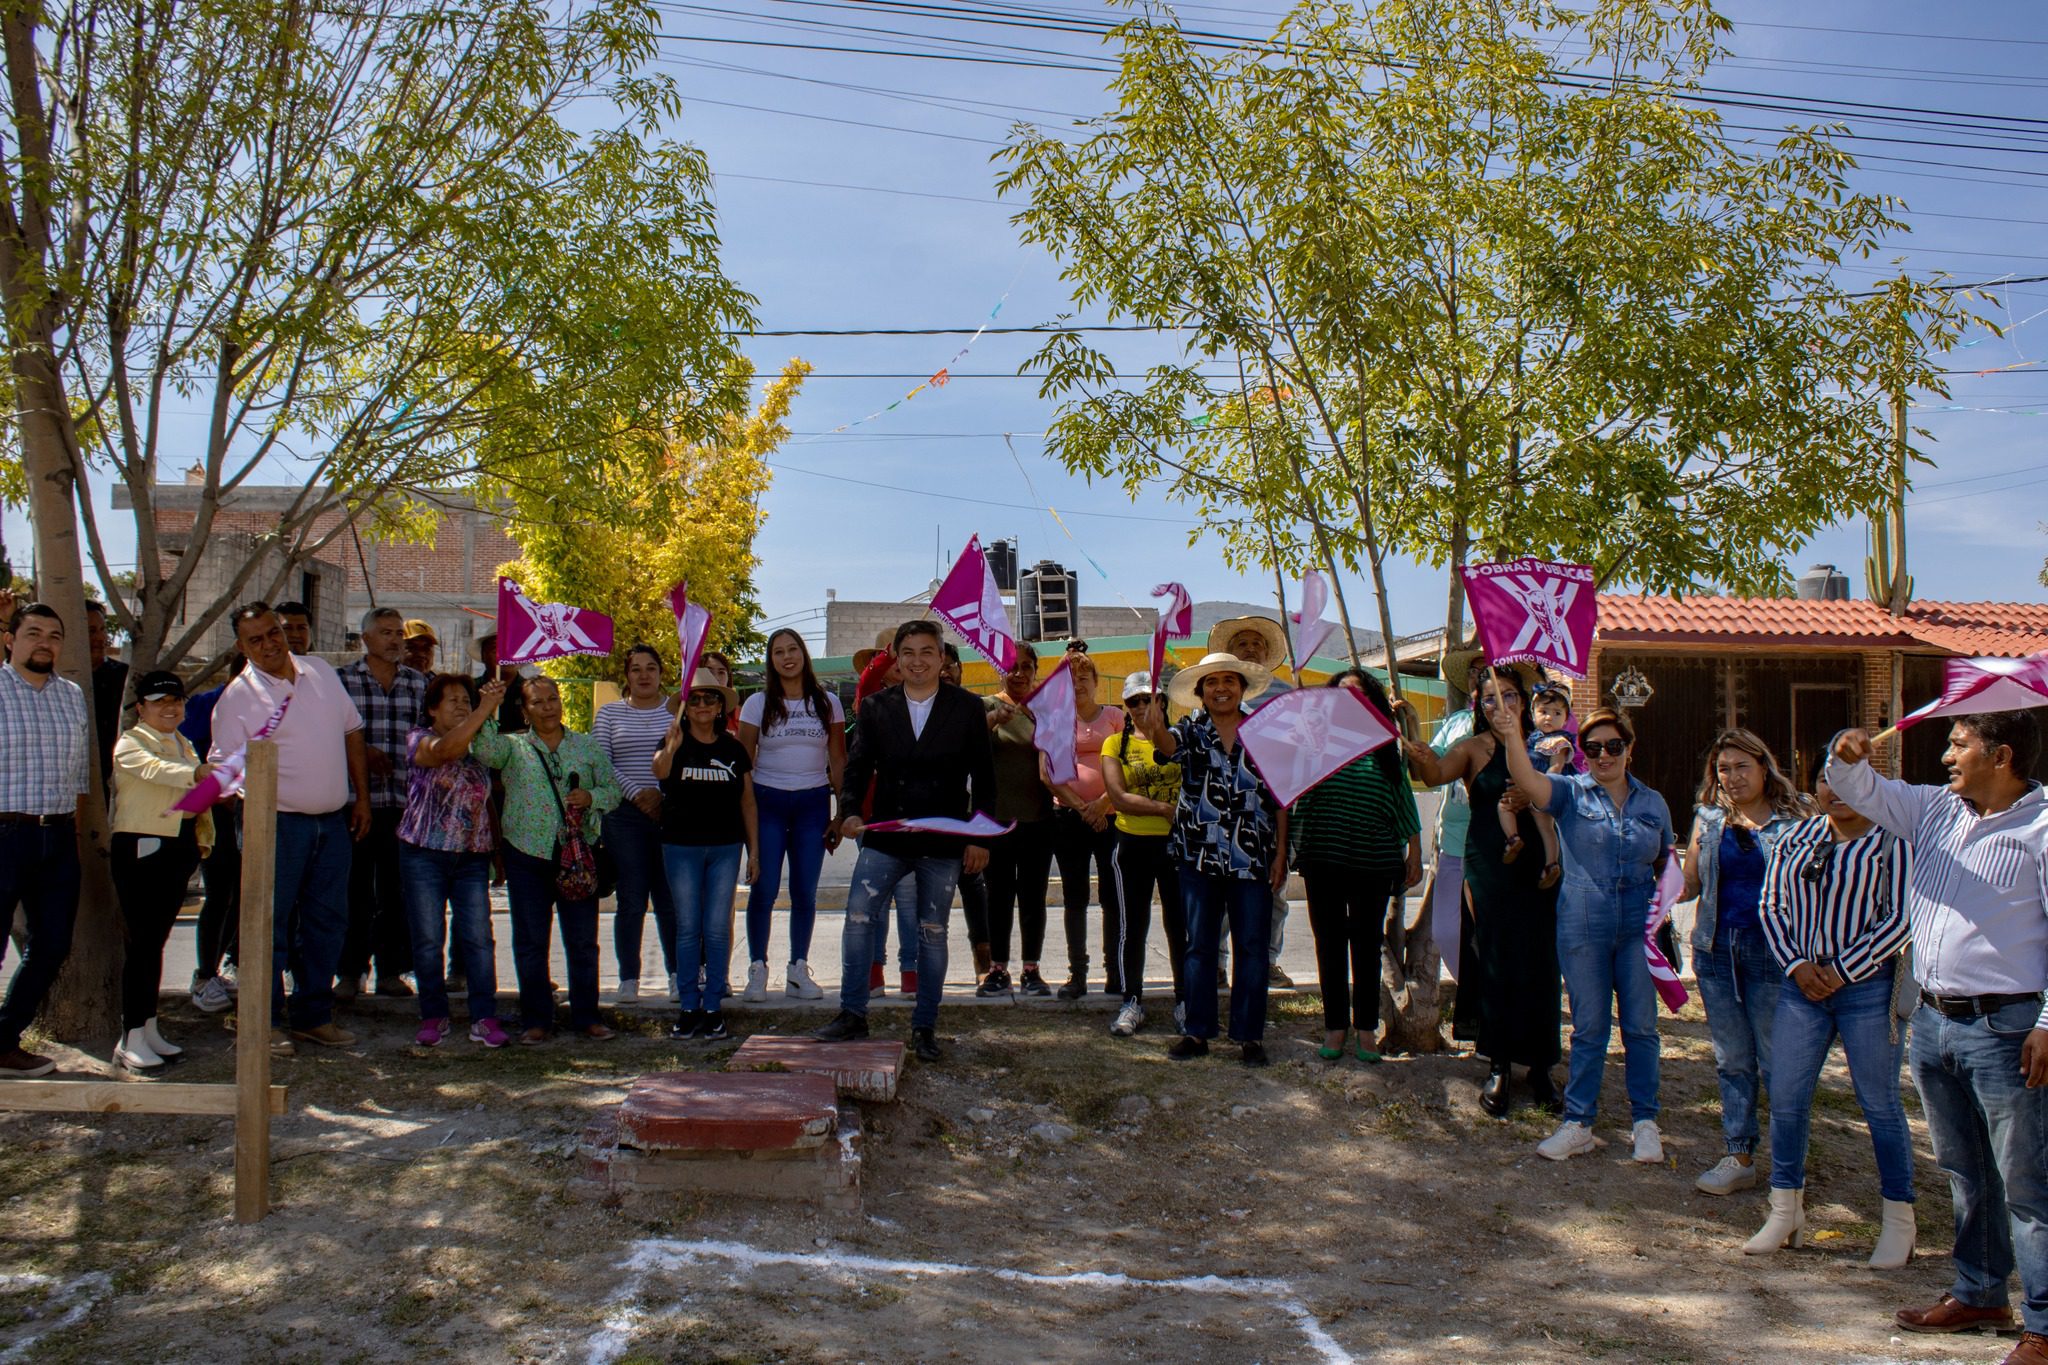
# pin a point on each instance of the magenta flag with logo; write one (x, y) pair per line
(228, 775)
(1534, 611)
(530, 631)
(693, 627)
(1301, 737)
(1053, 717)
(970, 603)
(1306, 629)
(982, 826)
(1176, 622)
(1973, 686)
(1670, 886)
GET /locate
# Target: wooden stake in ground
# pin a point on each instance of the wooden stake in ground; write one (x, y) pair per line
(252, 1031)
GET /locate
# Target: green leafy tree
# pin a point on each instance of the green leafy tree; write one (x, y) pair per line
(1466, 303)
(369, 247)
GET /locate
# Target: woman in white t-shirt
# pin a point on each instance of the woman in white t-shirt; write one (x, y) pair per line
(795, 733)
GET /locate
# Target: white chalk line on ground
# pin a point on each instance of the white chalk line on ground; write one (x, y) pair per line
(654, 1255)
(83, 1294)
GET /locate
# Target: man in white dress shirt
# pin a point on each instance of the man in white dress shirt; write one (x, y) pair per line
(1978, 910)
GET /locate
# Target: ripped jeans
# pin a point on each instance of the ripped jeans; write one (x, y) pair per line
(871, 896)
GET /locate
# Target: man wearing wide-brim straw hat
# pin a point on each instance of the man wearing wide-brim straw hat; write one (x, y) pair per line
(1259, 640)
(1230, 841)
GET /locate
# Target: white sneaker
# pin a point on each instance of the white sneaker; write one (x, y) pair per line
(1129, 1019)
(1649, 1143)
(158, 1044)
(1727, 1176)
(211, 994)
(675, 992)
(757, 983)
(628, 991)
(802, 984)
(1571, 1139)
(228, 978)
(133, 1052)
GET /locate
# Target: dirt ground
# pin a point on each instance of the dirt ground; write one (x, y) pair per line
(1199, 1212)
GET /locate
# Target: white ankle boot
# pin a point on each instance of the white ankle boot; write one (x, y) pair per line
(158, 1044)
(1895, 1242)
(135, 1053)
(1786, 1227)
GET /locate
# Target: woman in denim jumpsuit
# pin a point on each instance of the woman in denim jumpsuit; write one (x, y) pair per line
(1614, 833)
(1746, 804)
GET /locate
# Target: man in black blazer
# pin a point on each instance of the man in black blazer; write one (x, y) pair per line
(923, 745)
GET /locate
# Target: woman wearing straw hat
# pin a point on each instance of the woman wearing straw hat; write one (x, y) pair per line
(1230, 837)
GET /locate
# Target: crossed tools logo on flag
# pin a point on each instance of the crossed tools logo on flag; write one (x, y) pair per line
(970, 602)
(1534, 611)
(530, 631)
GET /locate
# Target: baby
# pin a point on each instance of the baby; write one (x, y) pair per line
(1550, 749)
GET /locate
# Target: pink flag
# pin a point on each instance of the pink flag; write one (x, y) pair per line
(969, 602)
(1534, 611)
(982, 826)
(227, 776)
(530, 631)
(1973, 686)
(1670, 886)
(1306, 629)
(1301, 737)
(1052, 710)
(1176, 622)
(693, 627)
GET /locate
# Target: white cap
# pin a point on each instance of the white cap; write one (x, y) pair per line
(1137, 684)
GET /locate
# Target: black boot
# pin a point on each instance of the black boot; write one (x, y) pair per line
(1493, 1096)
(1543, 1092)
(846, 1027)
(925, 1043)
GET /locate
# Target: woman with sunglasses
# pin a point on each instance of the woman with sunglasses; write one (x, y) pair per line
(1746, 804)
(1834, 912)
(1508, 983)
(1615, 833)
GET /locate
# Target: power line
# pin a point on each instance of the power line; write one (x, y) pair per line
(983, 502)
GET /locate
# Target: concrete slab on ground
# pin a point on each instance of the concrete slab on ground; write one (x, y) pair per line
(750, 1111)
(865, 1070)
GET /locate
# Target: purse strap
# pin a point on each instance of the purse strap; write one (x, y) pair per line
(549, 772)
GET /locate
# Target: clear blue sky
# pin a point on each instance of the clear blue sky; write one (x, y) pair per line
(855, 190)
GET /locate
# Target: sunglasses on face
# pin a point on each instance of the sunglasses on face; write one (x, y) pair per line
(1817, 863)
(1491, 703)
(705, 698)
(1141, 699)
(1612, 748)
(1745, 838)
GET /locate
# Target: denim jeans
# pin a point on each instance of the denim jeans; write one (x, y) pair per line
(634, 842)
(906, 929)
(309, 914)
(1600, 949)
(792, 826)
(1249, 906)
(1860, 1014)
(1739, 981)
(459, 883)
(530, 886)
(876, 877)
(39, 870)
(1991, 1137)
(701, 881)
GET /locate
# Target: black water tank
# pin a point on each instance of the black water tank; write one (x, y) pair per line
(1823, 583)
(1049, 602)
(1002, 562)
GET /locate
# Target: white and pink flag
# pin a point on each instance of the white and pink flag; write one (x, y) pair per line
(1306, 629)
(228, 775)
(1670, 886)
(970, 603)
(1052, 710)
(1973, 686)
(1301, 737)
(693, 627)
(1176, 622)
(981, 826)
(530, 631)
(1534, 611)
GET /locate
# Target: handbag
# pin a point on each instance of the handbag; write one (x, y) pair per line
(575, 864)
(1905, 990)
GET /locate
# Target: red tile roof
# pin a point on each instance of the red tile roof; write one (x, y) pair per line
(2004, 629)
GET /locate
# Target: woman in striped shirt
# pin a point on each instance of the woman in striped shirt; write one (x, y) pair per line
(1834, 913)
(1357, 843)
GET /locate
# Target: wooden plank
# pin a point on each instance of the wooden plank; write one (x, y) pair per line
(127, 1097)
(252, 1028)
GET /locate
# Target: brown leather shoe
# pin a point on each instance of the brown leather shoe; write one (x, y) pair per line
(327, 1035)
(600, 1033)
(1953, 1315)
(2032, 1350)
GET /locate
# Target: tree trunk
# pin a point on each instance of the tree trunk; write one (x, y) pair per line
(1411, 971)
(84, 1005)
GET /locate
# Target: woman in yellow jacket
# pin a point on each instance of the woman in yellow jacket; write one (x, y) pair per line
(155, 851)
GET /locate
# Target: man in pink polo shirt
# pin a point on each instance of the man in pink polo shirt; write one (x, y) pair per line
(320, 753)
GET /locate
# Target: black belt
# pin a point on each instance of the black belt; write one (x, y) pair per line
(15, 817)
(1972, 1006)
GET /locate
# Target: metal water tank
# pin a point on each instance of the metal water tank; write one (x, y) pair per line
(1002, 562)
(1823, 583)
(1048, 602)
